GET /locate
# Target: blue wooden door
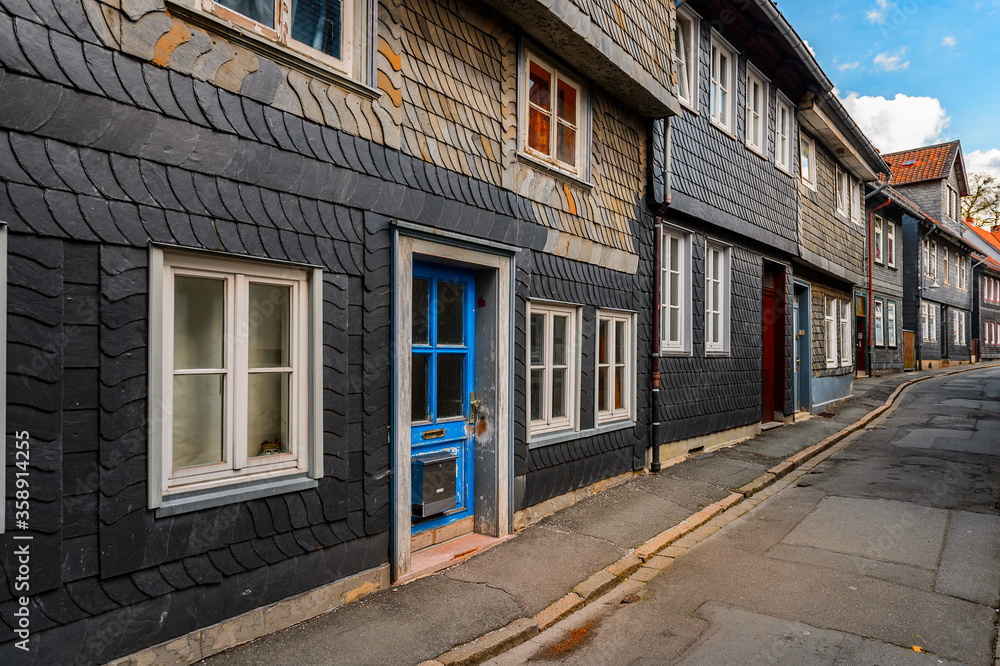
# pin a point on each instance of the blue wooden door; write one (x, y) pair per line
(442, 378)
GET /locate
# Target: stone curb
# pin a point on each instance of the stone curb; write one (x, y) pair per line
(642, 564)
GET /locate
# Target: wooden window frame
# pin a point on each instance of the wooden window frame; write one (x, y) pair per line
(582, 113)
(304, 455)
(890, 244)
(723, 118)
(879, 324)
(830, 316)
(783, 157)
(686, 36)
(720, 345)
(761, 114)
(628, 363)
(547, 423)
(683, 306)
(807, 168)
(890, 323)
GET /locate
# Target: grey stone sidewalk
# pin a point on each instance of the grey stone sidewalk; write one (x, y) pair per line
(542, 564)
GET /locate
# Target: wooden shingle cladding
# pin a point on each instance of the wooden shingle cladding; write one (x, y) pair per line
(163, 132)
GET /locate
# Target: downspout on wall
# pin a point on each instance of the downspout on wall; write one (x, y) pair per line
(654, 420)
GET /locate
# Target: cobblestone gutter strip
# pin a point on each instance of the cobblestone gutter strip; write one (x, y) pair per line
(659, 552)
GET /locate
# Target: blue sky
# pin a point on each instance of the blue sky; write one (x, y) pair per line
(942, 57)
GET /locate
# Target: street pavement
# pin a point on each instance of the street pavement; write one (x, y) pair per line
(885, 552)
(894, 543)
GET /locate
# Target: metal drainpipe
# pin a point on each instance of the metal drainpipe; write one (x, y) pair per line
(871, 273)
(654, 408)
(920, 295)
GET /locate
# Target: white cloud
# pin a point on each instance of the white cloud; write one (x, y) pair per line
(949, 41)
(849, 66)
(899, 123)
(983, 161)
(892, 62)
(880, 12)
(811, 50)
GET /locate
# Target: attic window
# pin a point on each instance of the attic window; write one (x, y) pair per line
(909, 162)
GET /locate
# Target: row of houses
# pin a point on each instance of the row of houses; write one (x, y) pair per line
(294, 295)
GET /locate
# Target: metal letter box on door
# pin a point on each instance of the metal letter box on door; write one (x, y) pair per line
(433, 488)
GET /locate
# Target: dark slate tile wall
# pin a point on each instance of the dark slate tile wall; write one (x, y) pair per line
(717, 178)
(887, 282)
(702, 394)
(986, 311)
(101, 156)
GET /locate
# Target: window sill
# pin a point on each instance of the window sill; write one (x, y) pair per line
(553, 171)
(280, 54)
(689, 106)
(716, 353)
(196, 500)
(675, 353)
(722, 128)
(758, 152)
(548, 439)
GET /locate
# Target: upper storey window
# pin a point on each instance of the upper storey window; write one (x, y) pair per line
(553, 114)
(757, 109)
(323, 30)
(723, 89)
(685, 57)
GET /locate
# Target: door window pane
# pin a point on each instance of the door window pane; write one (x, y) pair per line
(450, 311)
(267, 414)
(197, 420)
(269, 325)
(421, 304)
(199, 322)
(450, 376)
(419, 407)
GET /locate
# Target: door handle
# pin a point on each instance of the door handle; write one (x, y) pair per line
(473, 407)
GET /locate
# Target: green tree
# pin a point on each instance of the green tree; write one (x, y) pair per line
(983, 201)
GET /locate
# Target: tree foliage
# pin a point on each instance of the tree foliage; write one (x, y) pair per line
(983, 201)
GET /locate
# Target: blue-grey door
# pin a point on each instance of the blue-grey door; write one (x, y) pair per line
(803, 347)
(442, 379)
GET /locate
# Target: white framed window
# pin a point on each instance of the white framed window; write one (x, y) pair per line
(963, 272)
(846, 346)
(956, 327)
(326, 31)
(716, 298)
(878, 241)
(807, 160)
(553, 114)
(843, 191)
(235, 371)
(615, 365)
(933, 266)
(932, 321)
(553, 354)
(675, 294)
(783, 135)
(890, 323)
(890, 244)
(947, 261)
(924, 323)
(722, 89)
(927, 256)
(686, 57)
(756, 111)
(953, 206)
(961, 329)
(830, 322)
(856, 201)
(879, 325)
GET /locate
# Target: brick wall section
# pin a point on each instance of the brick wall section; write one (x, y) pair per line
(251, 158)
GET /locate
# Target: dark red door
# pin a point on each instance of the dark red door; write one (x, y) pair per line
(768, 356)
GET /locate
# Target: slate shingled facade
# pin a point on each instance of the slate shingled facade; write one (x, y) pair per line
(129, 124)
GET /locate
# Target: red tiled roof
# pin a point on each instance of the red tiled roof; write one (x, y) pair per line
(986, 235)
(920, 164)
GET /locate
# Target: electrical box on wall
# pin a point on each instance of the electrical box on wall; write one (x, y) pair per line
(433, 489)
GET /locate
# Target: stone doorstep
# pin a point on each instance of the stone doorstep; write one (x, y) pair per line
(442, 556)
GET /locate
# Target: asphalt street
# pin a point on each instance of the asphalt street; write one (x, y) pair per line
(886, 552)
